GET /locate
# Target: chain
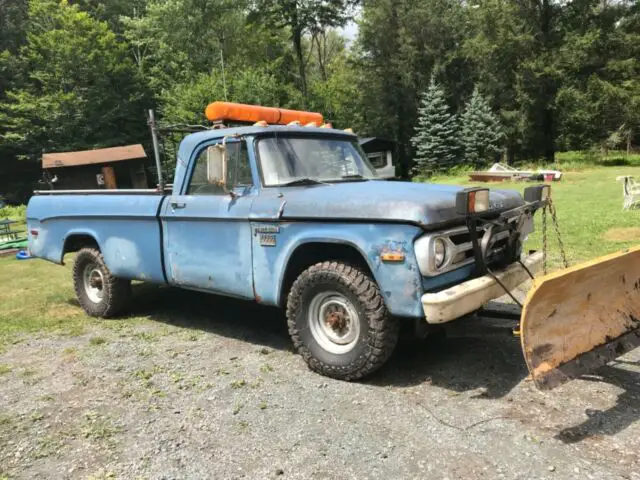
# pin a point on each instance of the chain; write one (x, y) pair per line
(544, 240)
(554, 218)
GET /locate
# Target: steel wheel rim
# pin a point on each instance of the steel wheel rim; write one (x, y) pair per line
(334, 322)
(93, 281)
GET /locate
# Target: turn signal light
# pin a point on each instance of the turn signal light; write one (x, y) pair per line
(392, 257)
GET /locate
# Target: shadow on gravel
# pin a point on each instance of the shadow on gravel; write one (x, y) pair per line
(475, 354)
(238, 319)
(625, 412)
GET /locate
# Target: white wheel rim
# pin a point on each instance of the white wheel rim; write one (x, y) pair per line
(93, 281)
(334, 322)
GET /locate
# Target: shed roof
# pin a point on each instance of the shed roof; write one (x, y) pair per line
(365, 140)
(88, 157)
(375, 144)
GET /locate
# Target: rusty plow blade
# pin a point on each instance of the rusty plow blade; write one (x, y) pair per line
(578, 319)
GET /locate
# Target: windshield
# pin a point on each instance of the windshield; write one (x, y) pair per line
(287, 160)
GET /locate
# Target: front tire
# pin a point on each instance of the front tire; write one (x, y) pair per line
(338, 321)
(99, 293)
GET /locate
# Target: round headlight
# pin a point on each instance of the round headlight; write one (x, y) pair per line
(439, 252)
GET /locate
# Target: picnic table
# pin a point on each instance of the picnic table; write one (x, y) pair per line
(6, 233)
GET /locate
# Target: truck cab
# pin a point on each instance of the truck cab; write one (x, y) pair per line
(295, 217)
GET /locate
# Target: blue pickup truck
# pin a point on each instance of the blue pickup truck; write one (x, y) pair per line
(294, 217)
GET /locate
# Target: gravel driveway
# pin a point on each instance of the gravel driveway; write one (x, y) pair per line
(210, 388)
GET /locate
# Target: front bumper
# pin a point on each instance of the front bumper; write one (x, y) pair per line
(469, 296)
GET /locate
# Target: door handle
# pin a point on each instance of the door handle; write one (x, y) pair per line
(175, 204)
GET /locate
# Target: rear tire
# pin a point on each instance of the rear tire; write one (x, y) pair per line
(99, 293)
(338, 321)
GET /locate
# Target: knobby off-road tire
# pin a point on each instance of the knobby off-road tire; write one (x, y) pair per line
(99, 293)
(338, 321)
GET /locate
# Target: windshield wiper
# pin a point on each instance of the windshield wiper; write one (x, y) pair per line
(353, 177)
(302, 181)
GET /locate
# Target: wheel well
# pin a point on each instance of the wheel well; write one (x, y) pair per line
(309, 254)
(75, 242)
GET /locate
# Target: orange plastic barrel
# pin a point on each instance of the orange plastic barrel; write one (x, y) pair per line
(239, 112)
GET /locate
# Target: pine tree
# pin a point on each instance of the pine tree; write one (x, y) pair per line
(480, 130)
(435, 138)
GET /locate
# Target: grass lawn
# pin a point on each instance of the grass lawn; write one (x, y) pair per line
(36, 296)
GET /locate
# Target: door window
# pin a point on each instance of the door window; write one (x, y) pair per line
(238, 171)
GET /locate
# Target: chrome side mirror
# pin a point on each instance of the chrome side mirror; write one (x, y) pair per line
(217, 164)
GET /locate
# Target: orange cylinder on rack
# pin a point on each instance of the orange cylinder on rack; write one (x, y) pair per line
(239, 112)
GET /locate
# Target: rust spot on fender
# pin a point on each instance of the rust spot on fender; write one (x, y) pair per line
(255, 294)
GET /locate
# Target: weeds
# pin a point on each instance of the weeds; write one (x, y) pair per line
(94, 341)
(98, 427)
(47, 446)
(36, 416)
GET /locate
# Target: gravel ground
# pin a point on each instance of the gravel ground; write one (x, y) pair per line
(209, 388)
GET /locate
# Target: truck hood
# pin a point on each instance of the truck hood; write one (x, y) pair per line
(426, 204)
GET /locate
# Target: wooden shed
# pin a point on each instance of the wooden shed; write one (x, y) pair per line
(108, 168)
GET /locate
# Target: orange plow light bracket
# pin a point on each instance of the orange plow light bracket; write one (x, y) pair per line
(238, 112)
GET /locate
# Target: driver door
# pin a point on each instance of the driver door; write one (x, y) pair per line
(207, 235)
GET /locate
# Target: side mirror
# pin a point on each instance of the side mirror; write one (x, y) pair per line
(217, 165)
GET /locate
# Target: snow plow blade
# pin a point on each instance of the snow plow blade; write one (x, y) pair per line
(581, 318)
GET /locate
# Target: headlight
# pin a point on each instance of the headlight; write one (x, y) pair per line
(439, 253)
(433, 254)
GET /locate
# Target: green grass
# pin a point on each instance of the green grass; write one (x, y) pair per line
(591, 158)
(589, 204)
(37, 297)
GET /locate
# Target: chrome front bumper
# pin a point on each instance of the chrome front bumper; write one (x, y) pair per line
(469, 296)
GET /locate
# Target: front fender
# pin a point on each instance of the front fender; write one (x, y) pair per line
(399, 283)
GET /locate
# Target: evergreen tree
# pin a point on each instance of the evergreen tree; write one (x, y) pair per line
(480, 130)
(75, 87)
(435, 138)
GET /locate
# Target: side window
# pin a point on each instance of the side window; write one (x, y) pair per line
(238, 171)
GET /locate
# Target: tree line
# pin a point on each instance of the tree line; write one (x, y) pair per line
(549, 75)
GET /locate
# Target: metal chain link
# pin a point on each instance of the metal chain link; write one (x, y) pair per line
(554, 218)
(544, 240)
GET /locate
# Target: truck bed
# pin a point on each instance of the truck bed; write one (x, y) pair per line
(125, 224)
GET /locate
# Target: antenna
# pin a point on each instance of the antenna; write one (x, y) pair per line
(224, 78)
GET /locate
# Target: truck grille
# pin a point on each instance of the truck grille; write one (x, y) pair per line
(463, 248)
